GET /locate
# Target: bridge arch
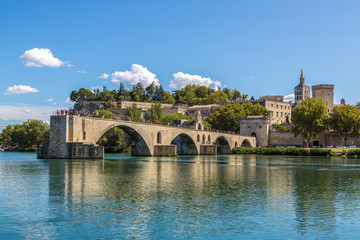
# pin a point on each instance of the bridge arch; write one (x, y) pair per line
(141, 143)
(246, 143)
(185, 145)
(223, 146)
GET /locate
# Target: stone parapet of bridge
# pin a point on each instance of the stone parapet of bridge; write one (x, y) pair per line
(76, 137)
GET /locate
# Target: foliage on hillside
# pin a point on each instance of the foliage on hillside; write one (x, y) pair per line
(190, 94)
(101, 113)
(195, 94)
(26, 136)
(170, 118)
(227, 117)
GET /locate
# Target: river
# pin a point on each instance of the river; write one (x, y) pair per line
(212, 197)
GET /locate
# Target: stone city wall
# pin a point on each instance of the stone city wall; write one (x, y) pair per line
(284, 138)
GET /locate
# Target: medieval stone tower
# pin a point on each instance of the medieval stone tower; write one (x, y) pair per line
(324, 92)
(302, 91)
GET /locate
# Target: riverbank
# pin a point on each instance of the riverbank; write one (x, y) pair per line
(284, 151)
(299, 151)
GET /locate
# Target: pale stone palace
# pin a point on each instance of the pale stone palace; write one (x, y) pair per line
(280, 112)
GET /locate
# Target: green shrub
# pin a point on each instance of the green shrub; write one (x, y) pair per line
(280, 127)
(296, 151)
(284, 151)
(101, 113)
(353, 152)
(321, 152)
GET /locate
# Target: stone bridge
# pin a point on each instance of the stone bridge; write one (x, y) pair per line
(76, 137)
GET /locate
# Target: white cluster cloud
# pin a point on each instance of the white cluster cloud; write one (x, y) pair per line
(41, 57)
(104, 76)
(50, 100)
(182, 79)
(136, 74)
(68, 101)
(290, 97)
(81, 71)
(20, 89)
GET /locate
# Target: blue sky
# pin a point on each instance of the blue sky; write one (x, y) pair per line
(257, 47)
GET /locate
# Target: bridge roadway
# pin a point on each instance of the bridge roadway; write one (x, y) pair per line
(76, 137)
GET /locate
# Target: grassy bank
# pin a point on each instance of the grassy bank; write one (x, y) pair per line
(351, 153)
(285, 151)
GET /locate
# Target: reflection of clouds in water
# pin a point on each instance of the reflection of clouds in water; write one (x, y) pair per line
(168, 197)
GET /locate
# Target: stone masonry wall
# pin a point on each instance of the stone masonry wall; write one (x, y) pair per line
(284, 138)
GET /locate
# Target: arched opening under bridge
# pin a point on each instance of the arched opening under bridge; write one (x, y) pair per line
(185, 145)
(119, 138)
(223, 146)
(246, 143)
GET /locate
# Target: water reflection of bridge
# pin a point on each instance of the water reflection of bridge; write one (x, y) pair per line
(268, 189)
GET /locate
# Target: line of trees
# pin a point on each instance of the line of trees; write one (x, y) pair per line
(27, 136)
(310, 117)
(190, 94)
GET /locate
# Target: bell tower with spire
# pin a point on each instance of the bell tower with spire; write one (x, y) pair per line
(302, 91)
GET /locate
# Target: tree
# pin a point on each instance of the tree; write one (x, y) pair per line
(192, 94)
(215, 97)
(134, 113)
(168, 98)
(150, 91)
(138, 93)
(158, 93)
(113, 140)
(236, 95)
(80, 96)
(345, 121)
(227, 117)
(123, 93)
(156, 113)
(309, 118)
(25, 136)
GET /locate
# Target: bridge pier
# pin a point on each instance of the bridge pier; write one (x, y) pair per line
(208, 149)
(165, 150)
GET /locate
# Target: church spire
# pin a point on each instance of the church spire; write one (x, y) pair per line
(302, 80)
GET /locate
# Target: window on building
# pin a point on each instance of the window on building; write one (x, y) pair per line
(281, 114)
(272, 105)
(277, 106)
(277, 114)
